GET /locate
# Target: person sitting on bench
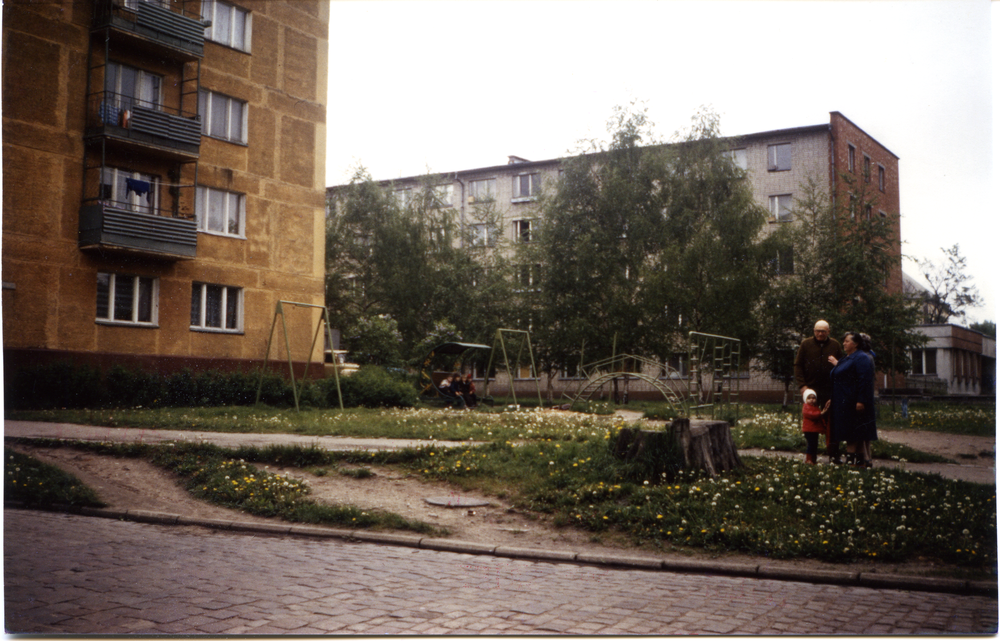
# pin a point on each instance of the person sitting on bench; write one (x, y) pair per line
(450, 390)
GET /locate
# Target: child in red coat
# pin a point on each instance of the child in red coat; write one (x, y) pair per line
(814, 423)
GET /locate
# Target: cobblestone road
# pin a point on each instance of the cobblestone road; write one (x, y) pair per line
(83, 575)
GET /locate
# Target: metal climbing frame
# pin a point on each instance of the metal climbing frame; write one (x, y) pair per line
(523, 339)
(714, 376)
(324, 322)
(626, 367)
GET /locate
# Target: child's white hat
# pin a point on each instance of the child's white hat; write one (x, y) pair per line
(807, 393)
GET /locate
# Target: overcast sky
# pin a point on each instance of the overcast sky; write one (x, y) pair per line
(419, 86)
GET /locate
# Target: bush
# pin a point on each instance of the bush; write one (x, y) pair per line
(373, 386)
(55, 385)
(134, 388)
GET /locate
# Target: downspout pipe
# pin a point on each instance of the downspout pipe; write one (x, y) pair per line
(461, 211)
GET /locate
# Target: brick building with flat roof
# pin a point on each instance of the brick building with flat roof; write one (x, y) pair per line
(163, 172)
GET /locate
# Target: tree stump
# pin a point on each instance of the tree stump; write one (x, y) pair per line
(704, 445)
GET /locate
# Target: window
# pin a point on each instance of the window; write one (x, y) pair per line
(529, 277)
(676, 366)
(784, 261)
(444, 195)
(230, 25)
(739, 157)
(527, 187)
(868, 212)
(126, 299)
(850, 158)
(925, 361)
(216, 307)
(126, 87)
(881, 178)
(522, 231)
(482, 191)
(403, 198)
(220, 212)
(480, 235)
(129, 190)
(779, 157)
(222, 117)
(867, 168)
(781, 207)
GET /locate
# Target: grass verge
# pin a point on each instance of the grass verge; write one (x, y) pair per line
(29, 480)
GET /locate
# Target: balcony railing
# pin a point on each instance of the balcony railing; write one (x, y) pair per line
(183, 30)
(108, 225)
(124, 117)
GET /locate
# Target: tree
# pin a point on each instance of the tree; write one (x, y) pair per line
(402, 257)
(639, 245)
(375, 340)
(951, 291)
(841, 257)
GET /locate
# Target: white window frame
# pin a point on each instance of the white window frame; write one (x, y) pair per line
(115, 283)
(739, 157)
(224, 22)
(230, 200)
(147, 91)
(780, 213)
(200, 306)
(117, 179)
(480, 235)
(534, 187)
(403, 197)
(444, 195)
(523, 230)
(207, 100)
(773, 156)
(483, 191)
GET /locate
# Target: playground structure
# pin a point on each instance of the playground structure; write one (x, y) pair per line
(430, 379)
(522, 340)
(713, 376)
(322, 324)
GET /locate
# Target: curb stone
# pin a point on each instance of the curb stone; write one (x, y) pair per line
(864, 579)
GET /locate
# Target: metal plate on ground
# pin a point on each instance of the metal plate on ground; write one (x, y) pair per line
(456, 501)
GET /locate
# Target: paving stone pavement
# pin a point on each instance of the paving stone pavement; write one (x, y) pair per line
(72, 574)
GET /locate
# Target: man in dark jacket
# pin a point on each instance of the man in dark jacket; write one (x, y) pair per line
(813, 367)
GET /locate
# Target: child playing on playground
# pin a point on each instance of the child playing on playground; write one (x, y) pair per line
(814, 423)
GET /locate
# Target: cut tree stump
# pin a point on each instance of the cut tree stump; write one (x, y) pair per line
(706, 445)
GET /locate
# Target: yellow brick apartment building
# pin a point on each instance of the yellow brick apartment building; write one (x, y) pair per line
(163, 165)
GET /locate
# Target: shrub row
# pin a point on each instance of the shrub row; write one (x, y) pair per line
(63, 385)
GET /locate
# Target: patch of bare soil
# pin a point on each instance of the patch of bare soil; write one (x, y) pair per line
(137, 484)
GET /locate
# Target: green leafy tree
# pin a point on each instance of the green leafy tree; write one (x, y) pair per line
(375, 340)
(951, 292)
(841, 258)
(642, 243)
(988, 328)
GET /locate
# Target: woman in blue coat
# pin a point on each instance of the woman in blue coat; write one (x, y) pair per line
(852, 410)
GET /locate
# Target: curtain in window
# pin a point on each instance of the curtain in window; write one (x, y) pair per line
(124, 292)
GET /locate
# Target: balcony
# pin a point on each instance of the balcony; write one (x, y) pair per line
(180, 33)
(128, 120)
(106, 227)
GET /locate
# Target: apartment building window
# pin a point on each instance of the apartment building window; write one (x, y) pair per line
(881, 178)
(779, 157)
(482, 191)
(216, 307)
(866, 168)
(126, 299)
(222, 117)
(739, 158)
(527, 187)
(676, 366)
(230, 24)
(444, 196)
(924, 362)
(781, 207)
(868, 212)
(403, 197)
(850, 158)
(480, 235)
(522, 231)
(129, 190)
(126, 87)
(220, 212)
(784, 261)
(529, 277)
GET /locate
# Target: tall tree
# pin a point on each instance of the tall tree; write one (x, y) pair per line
(951, 292)
(841, 257)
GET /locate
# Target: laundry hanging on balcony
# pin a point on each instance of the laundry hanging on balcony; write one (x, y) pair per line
(138, 187)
